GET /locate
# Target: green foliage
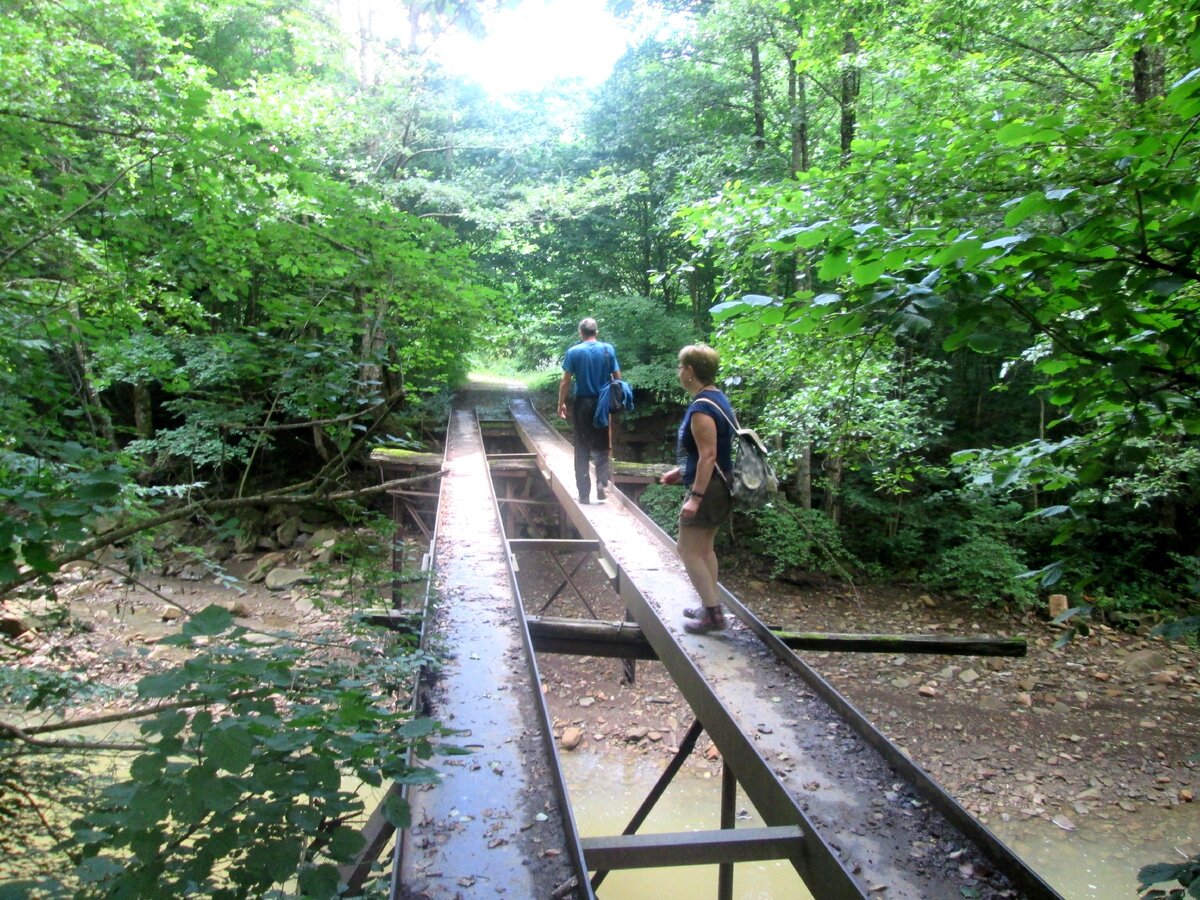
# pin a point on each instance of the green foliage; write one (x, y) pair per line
(197, 261)
(983, 567)
(1045, 223)
(1185, 874)
(803, 539)
(47, 503)
(47, 688)
(255, 782)
(648, 338)
(661, 502)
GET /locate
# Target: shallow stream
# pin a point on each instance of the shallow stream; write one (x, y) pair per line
(1098, 861)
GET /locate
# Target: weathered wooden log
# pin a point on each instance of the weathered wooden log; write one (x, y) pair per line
(553, 634)
(904, 643)
(589, 637)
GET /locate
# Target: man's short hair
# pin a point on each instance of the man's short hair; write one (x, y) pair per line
(588, 327)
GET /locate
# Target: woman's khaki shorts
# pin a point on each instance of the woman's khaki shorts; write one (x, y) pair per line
(714, 507)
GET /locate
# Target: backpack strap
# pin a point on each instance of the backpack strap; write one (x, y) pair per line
(732, 424)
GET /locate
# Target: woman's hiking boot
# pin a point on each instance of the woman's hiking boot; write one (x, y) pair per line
(705, 619)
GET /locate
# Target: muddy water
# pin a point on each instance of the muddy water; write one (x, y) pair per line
(1099, 861)
(607, 789)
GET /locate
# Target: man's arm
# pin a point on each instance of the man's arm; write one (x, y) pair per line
(564, 391)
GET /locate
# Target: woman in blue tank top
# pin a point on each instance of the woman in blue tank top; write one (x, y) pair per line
(705, 452)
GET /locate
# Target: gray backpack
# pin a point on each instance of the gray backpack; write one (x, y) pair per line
(753, 482)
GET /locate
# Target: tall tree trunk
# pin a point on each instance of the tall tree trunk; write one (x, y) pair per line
(374, 337)
(1149, 74)
(833, 493)
(97, 415)
(756, 87)
(798, 107)
(647, 246)
(143, 411)
(851, 80)
(804, 477)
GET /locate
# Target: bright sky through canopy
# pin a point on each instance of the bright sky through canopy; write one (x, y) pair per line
(537, 44)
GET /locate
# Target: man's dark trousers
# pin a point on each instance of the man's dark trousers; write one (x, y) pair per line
(590, 443)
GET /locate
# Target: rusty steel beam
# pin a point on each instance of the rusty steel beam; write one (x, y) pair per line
(693, 848)
(481, 822)
(553, 545)
(805, 757)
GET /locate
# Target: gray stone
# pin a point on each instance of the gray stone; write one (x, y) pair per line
(265, 565)
(968, 675)
(279, 579)
(323, 536)
(288, 531)
(192, 572)
(1143, 662)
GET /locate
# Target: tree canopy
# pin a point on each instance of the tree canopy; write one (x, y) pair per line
(950, 254)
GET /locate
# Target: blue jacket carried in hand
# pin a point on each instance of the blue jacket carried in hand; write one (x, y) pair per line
(604, 402)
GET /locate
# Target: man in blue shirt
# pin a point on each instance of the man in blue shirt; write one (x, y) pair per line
(592, 364)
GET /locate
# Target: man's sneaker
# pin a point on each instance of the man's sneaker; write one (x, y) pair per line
(601, 494)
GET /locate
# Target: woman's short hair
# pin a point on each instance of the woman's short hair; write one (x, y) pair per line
(703, 359)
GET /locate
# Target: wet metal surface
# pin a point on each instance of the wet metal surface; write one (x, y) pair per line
(493, 826)
(867, 827)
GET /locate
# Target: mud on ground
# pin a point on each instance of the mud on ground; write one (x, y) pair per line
(1103, 730)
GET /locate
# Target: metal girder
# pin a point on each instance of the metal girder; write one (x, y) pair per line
(725, 680)
(692, 848)
(491, 696)
(816, 862)
(568, 580)
(585, 637)
(664, 780)
(553, 545)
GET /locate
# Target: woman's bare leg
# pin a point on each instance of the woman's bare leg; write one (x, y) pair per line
(695, 547)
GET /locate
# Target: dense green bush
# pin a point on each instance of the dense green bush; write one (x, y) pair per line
(805, 539)
(983, 567)
(661, 503)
